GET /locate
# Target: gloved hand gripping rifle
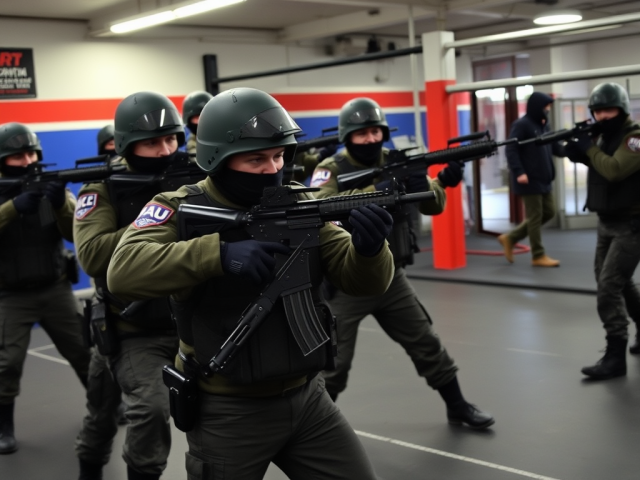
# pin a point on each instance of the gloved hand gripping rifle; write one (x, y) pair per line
(281, 217)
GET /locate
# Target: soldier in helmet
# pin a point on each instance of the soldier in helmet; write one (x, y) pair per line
(148, 132)
(270, 404)
(106, 144)
(612, 153)
(34, 287)
(192, 105)
(363, 129)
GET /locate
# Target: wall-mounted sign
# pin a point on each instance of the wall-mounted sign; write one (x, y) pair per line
(17, 75)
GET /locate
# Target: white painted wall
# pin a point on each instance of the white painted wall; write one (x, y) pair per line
(69, 65)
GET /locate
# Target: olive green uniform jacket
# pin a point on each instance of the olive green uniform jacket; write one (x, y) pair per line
(622, 164)
(151, 262)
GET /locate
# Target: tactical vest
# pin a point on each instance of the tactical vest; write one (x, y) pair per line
(402, 240)
(31, 249)
(216, 306)
(128, 201)
(613, 198)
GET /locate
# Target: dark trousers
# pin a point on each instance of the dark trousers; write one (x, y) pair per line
(304, 434)
(100, 425)
(138, 371)
(617, 256)
(539, 209)
(404, 319)
(56, 309)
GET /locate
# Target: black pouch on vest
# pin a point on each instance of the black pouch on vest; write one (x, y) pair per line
(103, 329)
(183, 397)
(71, 268)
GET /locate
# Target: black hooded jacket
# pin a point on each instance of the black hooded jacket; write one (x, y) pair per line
(534, 160)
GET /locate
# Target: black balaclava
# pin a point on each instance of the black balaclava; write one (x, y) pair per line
(611, 126)
(365, 153)
(244, 188)
(193, 128)
(150, 164)
(11, 170)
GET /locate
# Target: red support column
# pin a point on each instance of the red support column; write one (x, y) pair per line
(442, 124)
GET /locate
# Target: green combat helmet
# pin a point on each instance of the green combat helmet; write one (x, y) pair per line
(609, 95)
(105, 134)
(145, 115)
(243, 120)
(18, 138)
(360, 113)
(193, 104)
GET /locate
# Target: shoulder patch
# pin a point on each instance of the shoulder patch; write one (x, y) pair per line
(320, 177)
(86, 203)
(152, 215)
(633, 143)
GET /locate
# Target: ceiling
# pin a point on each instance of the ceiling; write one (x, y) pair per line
(305, 22)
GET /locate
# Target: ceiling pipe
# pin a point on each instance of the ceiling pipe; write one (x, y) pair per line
(545, 79)
(536, 32)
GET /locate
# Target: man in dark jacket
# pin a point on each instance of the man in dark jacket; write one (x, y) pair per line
(532, 172)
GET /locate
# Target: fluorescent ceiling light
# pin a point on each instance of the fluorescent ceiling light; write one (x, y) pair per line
(170, 15)
(202, 7)
(558, 17)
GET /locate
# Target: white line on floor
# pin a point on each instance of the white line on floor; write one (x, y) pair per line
(36, 353)
(535, 352)
(495, 466)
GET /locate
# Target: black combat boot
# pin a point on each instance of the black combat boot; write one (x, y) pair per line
(614, 362)
(635, 347)
(135, 475)
(7, 440)
(459, 411)
(90, 471)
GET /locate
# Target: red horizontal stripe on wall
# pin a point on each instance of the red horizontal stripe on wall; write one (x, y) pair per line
(51, 111)
(47, 111)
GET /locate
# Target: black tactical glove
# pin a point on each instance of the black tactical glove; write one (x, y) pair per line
(56, 193)
(27, 202)
(371, 226)
(584, 142)
(327, 151)
(416, 183)
(574, 153)
(250, 259)
(452, 174)
(383, 185)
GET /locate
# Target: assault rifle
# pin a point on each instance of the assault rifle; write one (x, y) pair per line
(181, 171)
(564, 134)
(282, 217)
(319, 142)
(399, 165)
(36, 176)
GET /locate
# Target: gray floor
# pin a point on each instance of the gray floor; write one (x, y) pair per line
(519, 350)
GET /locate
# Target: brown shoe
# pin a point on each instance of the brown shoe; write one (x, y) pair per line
(545, 261)
(507, 246)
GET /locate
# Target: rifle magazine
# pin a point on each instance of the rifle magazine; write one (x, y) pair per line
(304, 322)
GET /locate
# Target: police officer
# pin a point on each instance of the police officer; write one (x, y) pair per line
(34, 286)
(148, 132)
(192, 106)
(363, 129)
(612, 153)
(106, 144)
(270, 405)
